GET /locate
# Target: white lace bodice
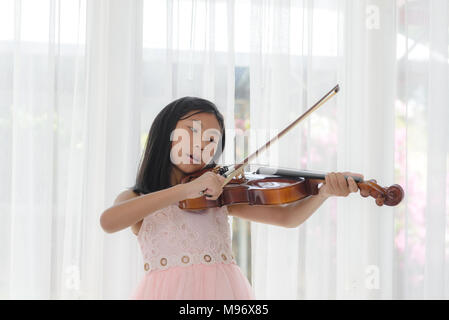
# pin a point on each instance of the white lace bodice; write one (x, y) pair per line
(175, 237)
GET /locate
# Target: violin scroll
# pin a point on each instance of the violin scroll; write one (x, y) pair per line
(390, 196)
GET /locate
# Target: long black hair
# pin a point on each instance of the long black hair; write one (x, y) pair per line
(155, 166)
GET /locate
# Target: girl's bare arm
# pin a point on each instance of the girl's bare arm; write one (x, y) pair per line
(129, 209)
(287, 215)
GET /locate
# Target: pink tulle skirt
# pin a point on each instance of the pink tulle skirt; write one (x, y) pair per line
(195, 282)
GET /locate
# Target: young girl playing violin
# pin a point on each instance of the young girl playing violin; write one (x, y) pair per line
(188, 255)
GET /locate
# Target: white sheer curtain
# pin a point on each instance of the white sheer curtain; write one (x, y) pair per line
(79, 89)
(69, 110)
(81, 81)
(389, 122)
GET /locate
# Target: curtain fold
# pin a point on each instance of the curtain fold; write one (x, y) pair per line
(365, 231)
(436, 274)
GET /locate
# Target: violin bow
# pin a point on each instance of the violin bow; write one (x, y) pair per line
(238, 169)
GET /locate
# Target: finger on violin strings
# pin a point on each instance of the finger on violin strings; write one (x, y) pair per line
(353, 187)
(357, 175)
(343, 186)
(352, 174)
(330, 182)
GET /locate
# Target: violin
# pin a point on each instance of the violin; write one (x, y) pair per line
(277, 186)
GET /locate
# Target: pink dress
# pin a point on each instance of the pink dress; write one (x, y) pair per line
(188, 255)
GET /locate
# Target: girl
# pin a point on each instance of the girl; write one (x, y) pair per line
(188, 255)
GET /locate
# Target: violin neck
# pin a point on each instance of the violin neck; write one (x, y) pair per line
(309, 174)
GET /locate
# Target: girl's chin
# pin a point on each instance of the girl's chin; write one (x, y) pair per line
(189, 168)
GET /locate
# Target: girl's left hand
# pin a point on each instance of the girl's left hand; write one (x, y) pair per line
(336, 185)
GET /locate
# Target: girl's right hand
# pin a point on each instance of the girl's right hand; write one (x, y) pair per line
(209, 182)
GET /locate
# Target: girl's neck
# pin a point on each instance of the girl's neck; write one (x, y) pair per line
(176, 176)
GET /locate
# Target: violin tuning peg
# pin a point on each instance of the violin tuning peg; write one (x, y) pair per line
(380, 201)
(364, 192)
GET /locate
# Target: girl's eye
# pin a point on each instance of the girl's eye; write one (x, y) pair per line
(211, 139)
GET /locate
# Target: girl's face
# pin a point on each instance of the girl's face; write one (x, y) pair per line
(195, 140)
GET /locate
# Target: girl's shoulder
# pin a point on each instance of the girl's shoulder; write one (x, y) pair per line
(126, 195)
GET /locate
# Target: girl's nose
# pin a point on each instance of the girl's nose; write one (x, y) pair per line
(202, 146)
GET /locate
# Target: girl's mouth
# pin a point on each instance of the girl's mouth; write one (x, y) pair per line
(193, 159)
